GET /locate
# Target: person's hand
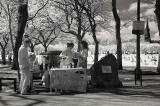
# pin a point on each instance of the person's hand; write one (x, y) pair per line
(64, 57)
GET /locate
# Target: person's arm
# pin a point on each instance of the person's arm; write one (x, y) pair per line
(63, 55)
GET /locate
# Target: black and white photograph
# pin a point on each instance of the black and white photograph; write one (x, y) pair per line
(79, 52)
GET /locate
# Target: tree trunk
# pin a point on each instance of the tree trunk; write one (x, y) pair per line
(96, 53)
(22, 19)
(79, 43)
(118, 37)
(157, 13)
(45, 48)
(10, 28)
(3, 56)
(93, 29)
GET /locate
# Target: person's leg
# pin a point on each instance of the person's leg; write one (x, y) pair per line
(26, 82)
(21, 81)
(23, 87)
(31, 81)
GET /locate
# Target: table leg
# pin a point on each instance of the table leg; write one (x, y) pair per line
(50, 82)
(56, 90)
(15, 85)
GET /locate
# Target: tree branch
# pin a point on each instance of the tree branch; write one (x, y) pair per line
(52, 39)
(37, 39)
(1, 45)
(38, 11)
(49, 35)
(2, 6)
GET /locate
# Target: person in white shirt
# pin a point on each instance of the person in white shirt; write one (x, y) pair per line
(67, 55)
(24, 66)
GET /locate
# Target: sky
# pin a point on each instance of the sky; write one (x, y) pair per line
(127, 10)
(125, 4)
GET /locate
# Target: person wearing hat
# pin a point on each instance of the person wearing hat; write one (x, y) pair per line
(24, 66)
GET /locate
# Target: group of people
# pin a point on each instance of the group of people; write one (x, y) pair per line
(68, 55)
(29, 64)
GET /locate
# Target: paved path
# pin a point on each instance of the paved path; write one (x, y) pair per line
(129, 95)
(88, 99)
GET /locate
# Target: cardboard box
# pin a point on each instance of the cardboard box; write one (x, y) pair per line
(73, 79)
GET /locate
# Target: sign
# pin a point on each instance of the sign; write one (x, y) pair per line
(106, 69)
(138, 27)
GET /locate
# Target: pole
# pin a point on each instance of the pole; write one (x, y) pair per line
(138, 73)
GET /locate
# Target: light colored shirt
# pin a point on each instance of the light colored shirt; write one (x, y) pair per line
(67, 57)
(23, 57)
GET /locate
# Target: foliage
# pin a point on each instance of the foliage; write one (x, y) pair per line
(9, 17)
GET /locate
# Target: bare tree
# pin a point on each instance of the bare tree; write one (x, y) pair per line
(45, 36)
(31, 32)
(74, 22)
(157, 13)
(9, 8)
(22, 20)
(3, 45)
(118, 35)
(92, 10)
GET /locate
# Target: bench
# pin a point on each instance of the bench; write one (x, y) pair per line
(15, 82)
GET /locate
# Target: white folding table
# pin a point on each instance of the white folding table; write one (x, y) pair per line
(69, 79)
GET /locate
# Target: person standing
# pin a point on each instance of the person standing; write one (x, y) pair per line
(67, 55)
(82, 55)
(24, 66)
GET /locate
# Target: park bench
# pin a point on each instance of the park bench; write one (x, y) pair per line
(13, 79)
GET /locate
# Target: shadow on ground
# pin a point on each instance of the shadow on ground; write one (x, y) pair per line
(149, 91)
(34, 101)
(3, 102)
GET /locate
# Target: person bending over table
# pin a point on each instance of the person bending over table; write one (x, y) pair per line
(66, 59)
(67, 56)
